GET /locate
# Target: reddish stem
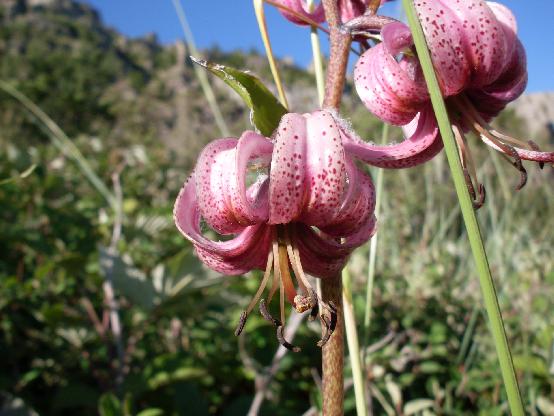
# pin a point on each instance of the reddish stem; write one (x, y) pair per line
(331, 289)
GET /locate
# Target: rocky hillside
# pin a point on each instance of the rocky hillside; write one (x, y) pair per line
(96, 82)
(538, 110)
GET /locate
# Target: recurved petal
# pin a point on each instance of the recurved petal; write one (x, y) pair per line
(253, 207)
(254, 258)
(287, 185)
(248, 250)
(492, 99)
(422, 143)
(445, 36)
(484, 40)
(300, 7)
(212, 181)
(508, 23)
(323, 256)
(390, 90)
(349, 9)
(325, 174)
(358, 204)
(396, 36)
(220, 182)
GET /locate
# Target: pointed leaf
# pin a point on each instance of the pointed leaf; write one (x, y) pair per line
(266, 110)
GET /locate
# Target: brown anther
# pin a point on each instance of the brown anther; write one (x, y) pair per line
(476, 202)
(326, 334)
(267, 316)
(469, 184)
(517, 163)
(284, 342)
(482, 197)
(534, 146)
(330, 324)
(302, 303)
(242, 322)
(313, 312)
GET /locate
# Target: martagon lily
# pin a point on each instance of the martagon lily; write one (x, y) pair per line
(308, 208)
(481, 67)
(297, 11)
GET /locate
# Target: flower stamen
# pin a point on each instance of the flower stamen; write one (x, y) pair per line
(470, 172)
(474, 121)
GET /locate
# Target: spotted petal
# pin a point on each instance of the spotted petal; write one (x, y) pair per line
(422, 143)
(393, 91)
(220, 181)
(246, 251)
(446, 38)
(308, 172)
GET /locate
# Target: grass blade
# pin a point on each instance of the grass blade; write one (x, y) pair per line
(200, 74)
(353, 344)
(62, 142)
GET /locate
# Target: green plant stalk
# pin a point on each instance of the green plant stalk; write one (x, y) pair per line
(468, 213)
(373, 244)
(353, 344)
(260, 17)
(62, 142)
(318, 61)
(200, 73)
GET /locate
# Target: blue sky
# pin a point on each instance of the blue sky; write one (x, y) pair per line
(231, 24)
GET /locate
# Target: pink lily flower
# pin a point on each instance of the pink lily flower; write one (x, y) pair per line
(481, 67)
(307, 211)
(297, 11)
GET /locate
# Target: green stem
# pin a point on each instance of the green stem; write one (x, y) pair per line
(373, 244)
(353, 344)
(468, 213)
(318, 61)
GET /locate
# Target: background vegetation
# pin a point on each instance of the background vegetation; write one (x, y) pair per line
(136, 112)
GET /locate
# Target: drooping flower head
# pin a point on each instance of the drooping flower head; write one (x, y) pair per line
(480, 64)
(307, 208)
(297, 11)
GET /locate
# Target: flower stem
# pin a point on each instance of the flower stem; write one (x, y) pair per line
(468, 213)
(338, 61)
(331, 289)
(333, 352)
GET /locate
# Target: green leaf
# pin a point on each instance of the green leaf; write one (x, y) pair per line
(19, 176)
(266, 110)
(151, 412)
(129, 281)
(109, 405)
(545, 406)
(416, 406)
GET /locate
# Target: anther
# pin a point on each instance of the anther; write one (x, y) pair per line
(242, 322)
(284, 342)
(330, 325)
(482, 197)
(267, 316)
(517, 163)
(313, 312)
(326, 334)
